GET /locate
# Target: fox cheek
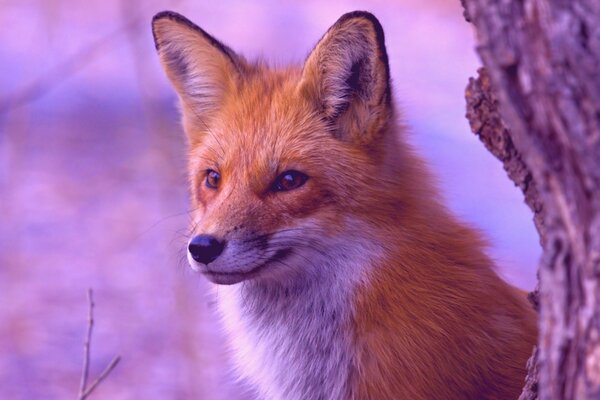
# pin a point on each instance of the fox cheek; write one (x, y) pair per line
(200, 195)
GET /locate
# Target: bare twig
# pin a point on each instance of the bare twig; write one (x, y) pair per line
(64, 70)
(84, 389)
(86, 345)
(102, 376)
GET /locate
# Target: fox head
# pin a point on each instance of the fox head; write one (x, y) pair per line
(285, 164)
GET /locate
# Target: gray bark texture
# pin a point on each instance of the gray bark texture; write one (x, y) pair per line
(536, 106)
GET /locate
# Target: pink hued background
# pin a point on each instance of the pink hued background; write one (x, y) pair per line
(93, 190)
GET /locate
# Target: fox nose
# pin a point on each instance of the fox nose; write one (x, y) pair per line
(205, 248)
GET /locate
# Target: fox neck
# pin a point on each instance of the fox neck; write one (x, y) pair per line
(296, 341)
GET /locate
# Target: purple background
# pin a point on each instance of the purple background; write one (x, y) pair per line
(93, 190)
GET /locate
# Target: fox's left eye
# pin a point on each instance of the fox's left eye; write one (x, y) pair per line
(212, 179)
(289, 180)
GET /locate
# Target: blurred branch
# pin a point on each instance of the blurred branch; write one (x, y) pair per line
(64, 70)
(84, 390)
(100, 378)
(86, 344)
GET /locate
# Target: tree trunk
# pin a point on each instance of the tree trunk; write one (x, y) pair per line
(537, 107)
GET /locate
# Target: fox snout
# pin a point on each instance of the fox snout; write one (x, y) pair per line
(280, 254)
(205, 248)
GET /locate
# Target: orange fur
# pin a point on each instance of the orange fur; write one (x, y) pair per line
(430, 318)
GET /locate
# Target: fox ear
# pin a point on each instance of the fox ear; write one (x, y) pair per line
(347, 74)
(201, 68)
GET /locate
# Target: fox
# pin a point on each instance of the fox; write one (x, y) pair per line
(339, 271)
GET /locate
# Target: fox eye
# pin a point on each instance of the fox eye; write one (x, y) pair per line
(289, 180)
(212, 179)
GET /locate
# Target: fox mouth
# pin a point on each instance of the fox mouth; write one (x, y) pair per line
(232, 277)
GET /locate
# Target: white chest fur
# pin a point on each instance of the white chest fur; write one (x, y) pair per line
(296, 343)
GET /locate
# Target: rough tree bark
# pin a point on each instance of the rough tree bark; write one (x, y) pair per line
(537, 107)
(486, 122)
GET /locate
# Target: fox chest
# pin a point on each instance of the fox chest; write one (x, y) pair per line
(289, 347)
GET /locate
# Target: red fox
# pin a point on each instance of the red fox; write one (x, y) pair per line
(342, 275)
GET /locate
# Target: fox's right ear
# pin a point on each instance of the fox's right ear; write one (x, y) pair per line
(201, 68)
(347, 78)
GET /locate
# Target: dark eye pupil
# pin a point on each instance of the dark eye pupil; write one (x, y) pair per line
(290, 180)
(212, 179)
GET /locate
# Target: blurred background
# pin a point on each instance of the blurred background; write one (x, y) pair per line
(93, 186)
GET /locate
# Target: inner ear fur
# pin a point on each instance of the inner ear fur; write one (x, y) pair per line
(201, 68)
(347, 77)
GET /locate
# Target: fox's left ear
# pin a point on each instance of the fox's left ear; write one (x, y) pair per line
(347, 77)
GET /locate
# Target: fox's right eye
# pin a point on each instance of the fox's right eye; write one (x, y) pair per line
(212, 179)
(289, 180)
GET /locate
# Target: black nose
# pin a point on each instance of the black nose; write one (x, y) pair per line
(205, 248)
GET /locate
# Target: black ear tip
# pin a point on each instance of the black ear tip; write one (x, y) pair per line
(167, 14)
(365, 15)
(175, 17)
(372, 20)
(163, 15)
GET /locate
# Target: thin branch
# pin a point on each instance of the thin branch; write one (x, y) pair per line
(64, 70)
(102, 376)
(71, 65)
(86, 345)
(84, 389)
